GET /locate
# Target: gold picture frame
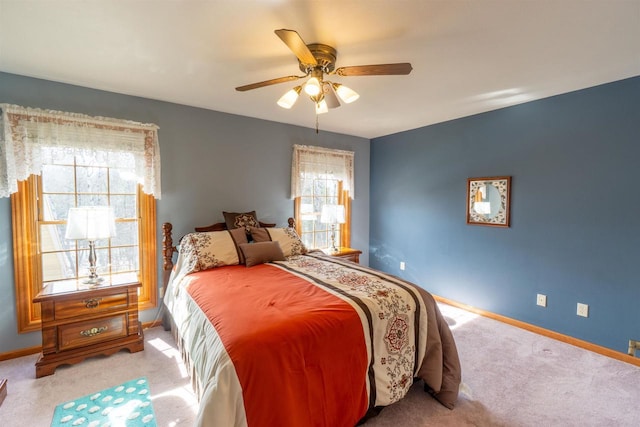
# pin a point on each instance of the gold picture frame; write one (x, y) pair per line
(489, 201)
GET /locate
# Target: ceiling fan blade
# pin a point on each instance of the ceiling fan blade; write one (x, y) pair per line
(293, 40)
(268, 83)
(330, 95)
(375, 70)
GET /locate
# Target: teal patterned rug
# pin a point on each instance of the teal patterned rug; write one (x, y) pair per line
(127, 404)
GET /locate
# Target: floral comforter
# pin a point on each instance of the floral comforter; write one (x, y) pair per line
(313, 340)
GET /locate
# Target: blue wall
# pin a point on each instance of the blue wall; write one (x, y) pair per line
(575, 214)
(211, 162)
(575, 235)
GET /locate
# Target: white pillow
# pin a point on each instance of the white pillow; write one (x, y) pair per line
(202, 251)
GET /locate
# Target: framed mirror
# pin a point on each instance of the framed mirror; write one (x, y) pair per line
(489, 201)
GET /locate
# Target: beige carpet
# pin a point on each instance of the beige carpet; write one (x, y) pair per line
(511, 378)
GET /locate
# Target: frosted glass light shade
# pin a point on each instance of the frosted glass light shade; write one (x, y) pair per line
(321, 107)
(289, 99)
(312, 87)
(330, 95)
(90, 223)
(347, 95)
(332, 214)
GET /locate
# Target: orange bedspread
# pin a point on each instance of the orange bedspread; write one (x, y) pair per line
(298, 351)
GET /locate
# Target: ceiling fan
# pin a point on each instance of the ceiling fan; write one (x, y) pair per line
(317, 60)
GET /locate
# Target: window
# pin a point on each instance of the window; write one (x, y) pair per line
(320, 177)
(51, 161)
(72, 182)
(40, 212)
(318, 191)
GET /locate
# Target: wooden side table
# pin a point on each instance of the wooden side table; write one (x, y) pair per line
(346, 253)
(79, 321)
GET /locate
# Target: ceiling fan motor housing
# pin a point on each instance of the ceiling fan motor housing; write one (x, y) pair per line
(324, 54)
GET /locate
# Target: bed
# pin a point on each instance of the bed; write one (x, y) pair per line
(273, 334)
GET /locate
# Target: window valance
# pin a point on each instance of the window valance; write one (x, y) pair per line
(319, 160)
(29, 136)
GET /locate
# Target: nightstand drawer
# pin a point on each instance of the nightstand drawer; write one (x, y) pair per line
(84, 306)
(91, 331)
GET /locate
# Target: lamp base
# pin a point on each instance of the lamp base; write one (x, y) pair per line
(93, 280)
(334, 249)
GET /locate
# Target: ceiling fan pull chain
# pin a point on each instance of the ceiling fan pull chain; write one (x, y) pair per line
(316, 123)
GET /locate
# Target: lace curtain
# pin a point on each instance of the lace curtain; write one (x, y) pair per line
(29, 137)
(319, 160)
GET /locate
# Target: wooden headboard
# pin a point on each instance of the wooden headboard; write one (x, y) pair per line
(168, 247)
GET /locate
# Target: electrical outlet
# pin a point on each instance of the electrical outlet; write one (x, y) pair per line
(542, 300)
(633, 346)
(401, 265)
(583, 310)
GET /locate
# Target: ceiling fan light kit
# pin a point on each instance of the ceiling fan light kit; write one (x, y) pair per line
(316, 60)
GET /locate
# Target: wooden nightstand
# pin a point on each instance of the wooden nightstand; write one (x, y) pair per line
(79, 321)
(346, 253)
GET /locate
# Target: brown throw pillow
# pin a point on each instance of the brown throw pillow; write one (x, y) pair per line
(239, 237)
(290, 242)
(241, 220)
(259, 253)
(259, 234)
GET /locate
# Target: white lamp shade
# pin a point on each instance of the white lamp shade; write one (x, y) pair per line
(90, 223)
(330, 95)
(332, 214)
(312, 87)
(289, 99)
(321, 107)
(348, 95)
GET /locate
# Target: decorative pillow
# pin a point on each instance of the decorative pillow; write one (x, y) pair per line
(287, 238)
(239, 236)
(259, 234)
(202, 251)
(259, 253)
(241, 220)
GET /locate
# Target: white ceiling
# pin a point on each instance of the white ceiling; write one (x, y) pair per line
(467, 56)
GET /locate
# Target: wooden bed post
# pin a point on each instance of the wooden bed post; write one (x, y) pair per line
(167, 266)
(167, 254)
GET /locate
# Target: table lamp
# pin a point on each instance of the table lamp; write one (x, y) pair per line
(91, 223)
(332, 214)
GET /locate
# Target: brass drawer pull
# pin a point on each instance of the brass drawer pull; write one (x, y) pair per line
(92, 303)
(93, 331)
